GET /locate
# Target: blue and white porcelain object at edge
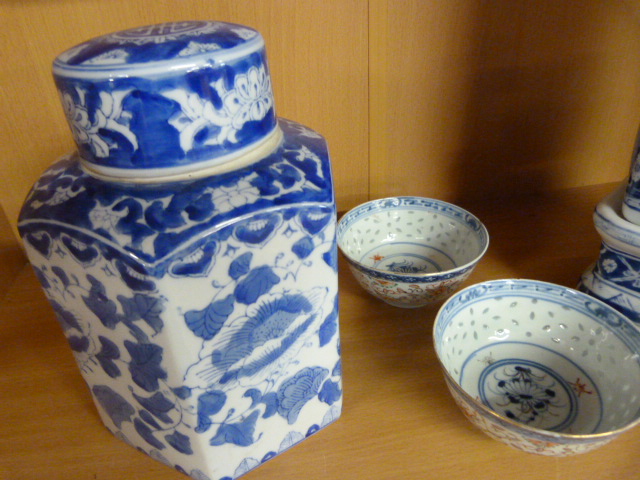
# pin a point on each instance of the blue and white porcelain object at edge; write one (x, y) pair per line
(540, 367)
(188, 248)
(615, 276)
(631, 199)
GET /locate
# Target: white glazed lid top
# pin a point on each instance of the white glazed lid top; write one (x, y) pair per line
(161, 47)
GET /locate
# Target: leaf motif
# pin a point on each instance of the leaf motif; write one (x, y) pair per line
(198, 475)
(106, 356)
(145, 307)
(337, 369)
(129, 308)
(147, 417)
(134, 276)
(240, 266)
(133, 222)
(329, 325)
(208, 322)
(145, 432)
(78, 344)
(330, 392)
(264, 182)
(198, 263)
(258, 282)
(315, 219)
(303, 247)
(240, 433)
(287, 175)
(98, 302)
(42, 278)
(246, 466)
(108, 348)
(180, 442)
(308, 163)
(162, 218)
(292, 438)
(200, 208)
(255, 395)
(191, 119)
(295, 392)
(330, 257)
(67, 319)
(270, 401)
(209, 403)
(145, 365)
(85, 254)
(182, 392)
(118, 409)
(158, 405)
(331, 416)
(60, 273)
(257, 230)
(42, 243)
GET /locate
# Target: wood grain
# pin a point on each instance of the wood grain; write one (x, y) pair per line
(12, 259)
(399, 420)
(500, 99)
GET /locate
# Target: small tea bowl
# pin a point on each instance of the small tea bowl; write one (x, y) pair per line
(543, 368)
(411, 251)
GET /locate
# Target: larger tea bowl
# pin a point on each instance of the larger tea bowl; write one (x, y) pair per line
(411, 251)
(540, 367)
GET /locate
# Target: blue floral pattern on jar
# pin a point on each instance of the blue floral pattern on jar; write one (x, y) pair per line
(203, 314)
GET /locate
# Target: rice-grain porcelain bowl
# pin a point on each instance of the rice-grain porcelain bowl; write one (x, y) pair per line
(541, 367)
(411, 251)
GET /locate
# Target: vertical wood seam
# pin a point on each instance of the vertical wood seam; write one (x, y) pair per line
(377, 95)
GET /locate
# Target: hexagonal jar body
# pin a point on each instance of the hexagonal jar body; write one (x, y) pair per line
(201, 303)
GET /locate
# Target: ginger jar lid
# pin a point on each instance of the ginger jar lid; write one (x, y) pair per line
(168, 99)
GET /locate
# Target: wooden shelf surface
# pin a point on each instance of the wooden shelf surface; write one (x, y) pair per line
(398, 420)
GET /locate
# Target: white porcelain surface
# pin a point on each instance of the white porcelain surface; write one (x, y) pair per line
(411, 251)
(540, 367)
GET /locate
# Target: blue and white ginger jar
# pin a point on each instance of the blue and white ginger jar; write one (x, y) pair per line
(188, 248)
